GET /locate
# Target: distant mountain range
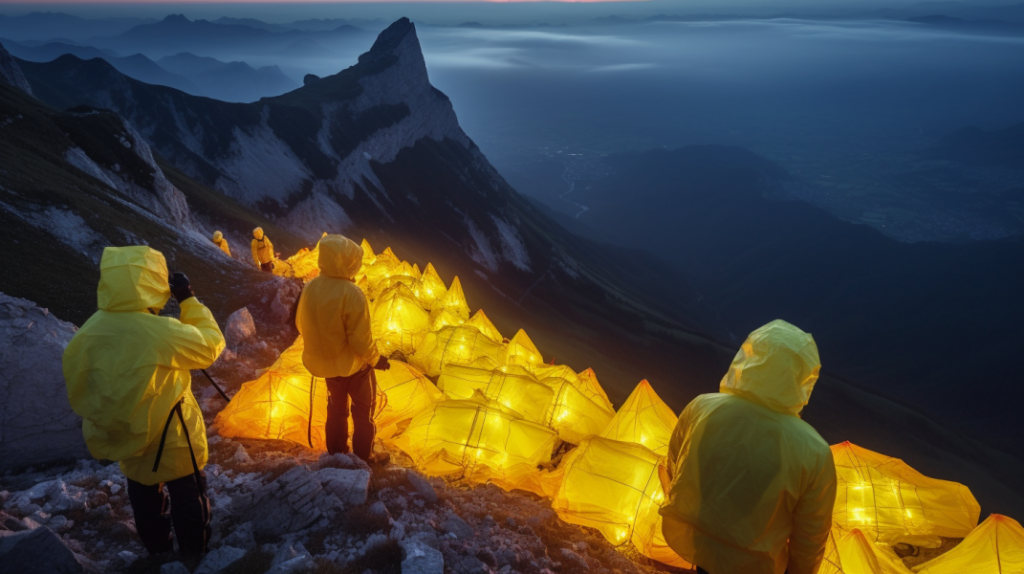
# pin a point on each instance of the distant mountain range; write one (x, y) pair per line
(48, 26)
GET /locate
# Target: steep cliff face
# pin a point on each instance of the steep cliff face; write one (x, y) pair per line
(10, 72)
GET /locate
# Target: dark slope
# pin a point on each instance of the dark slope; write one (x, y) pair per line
(1004, 147)
(928, 324)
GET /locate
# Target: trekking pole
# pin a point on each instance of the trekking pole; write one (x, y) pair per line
(215, 385)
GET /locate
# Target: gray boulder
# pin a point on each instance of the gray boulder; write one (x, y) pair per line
(37, 424)
(219, 559)
(418, 558)
(350, 486)
(37, 551)
(457, 526)
(174, 568)
(291, 502)
(423, 488)
(239, 328)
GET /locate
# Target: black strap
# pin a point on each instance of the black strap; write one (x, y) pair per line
(309, 427)
(188, 439)
(215, 385)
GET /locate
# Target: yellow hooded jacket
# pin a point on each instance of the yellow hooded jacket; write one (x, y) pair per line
(752, 485)
(262, 248)
(333, 316)
(127, 368)
(219, 241)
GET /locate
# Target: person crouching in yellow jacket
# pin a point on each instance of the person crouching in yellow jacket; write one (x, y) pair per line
(751, 484)
(262, 250)
(219, 241)
(127, 374)
(334, 321)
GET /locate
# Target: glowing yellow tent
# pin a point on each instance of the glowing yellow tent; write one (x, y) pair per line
(614, 487)
(407, 393)
(368, 255)
(522, 351)
(481, 439)
(995, 547)
(891, 502)
(483, 323)
(398, 322)
(456, 345)
(303, 265)
(277, 404)
(454, 301)
(852, 553)
(429, 288)
(587, 385)
(520, 393)
(574, 415)
(643, 419)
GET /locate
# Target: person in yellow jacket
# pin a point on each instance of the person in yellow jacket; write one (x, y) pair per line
(262, 250)
(333, 319)
(751, 484)
(127, 375)
(219, 241)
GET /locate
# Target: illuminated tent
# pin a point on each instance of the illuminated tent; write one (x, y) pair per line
(429, 288)
(276, 405)
(480, 439)
(456, 345)
(574, 415)
(643, 419)
(588, 385)
(398, 322)
(614, 487)
(483, 323)
(853, 553)
(368, 255)
(891, 502)
(303, 265)
(377, 287)
(407, 393)
(454, 301)
(995, 547)
(519, 392)
(388, 257)
(522, 351)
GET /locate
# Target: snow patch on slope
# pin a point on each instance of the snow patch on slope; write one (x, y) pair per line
(512, 246)
(262, 164)
(66, 226)
(77, 157)
(481, 250)
(317, 214)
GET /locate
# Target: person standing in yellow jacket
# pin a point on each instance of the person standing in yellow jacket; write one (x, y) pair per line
(752, 486)
(219, 241)
(333, 319)
(262, 250)
(127, 375)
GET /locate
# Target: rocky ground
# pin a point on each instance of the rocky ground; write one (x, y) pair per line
(282, 508)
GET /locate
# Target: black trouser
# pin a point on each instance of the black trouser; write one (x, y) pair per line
(190, 514)
(701, 570)
(362, 387)
(268, 266)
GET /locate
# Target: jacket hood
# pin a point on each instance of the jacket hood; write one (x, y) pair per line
(339, 257)
(257, 233)
(776, 367)
(217, 236)
(132, 279)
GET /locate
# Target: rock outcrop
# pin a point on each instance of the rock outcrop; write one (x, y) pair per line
(37, 424)
(10, 72)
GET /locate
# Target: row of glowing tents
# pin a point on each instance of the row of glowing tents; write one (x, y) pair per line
(498, 412)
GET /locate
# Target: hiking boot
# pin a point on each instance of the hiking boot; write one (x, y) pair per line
(379, 459)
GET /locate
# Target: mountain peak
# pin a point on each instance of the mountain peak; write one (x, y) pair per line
(389, 41)
(10, 72)
(176, 19)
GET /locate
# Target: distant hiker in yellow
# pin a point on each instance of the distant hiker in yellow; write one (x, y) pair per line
(127, 374)
(219, 241)
(334, 320)
(752, 485)
(262, 250)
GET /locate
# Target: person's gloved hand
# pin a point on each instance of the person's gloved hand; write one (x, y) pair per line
(181, 288)
(382, 364)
